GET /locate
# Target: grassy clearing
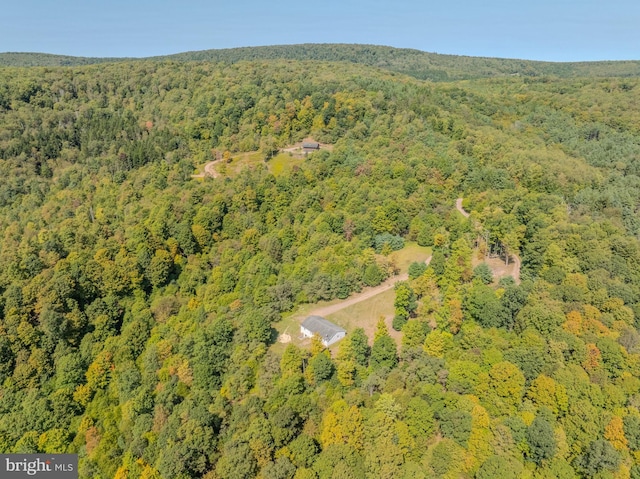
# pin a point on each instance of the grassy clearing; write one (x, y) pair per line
(411, 252)
(366, 314)
(252, 159)
(290, 323)
(283, 163)
(278, 165)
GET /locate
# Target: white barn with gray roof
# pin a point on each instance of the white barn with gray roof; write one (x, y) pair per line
(328, 332)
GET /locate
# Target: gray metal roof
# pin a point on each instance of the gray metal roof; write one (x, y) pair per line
(311, 144)
(326, 329)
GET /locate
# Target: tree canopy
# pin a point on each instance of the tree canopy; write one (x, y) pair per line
(138, 302)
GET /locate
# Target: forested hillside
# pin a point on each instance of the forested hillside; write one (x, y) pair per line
(138, 304)
(27, 59)
(418, 64)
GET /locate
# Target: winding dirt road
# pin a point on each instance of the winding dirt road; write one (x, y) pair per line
(209, 170)
(461, 209)
(364, 295)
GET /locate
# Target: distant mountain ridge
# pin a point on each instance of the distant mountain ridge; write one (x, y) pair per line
(416, 63)
(27, 59)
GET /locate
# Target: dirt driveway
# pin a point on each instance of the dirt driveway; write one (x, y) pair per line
(364, 295)
(209, 170)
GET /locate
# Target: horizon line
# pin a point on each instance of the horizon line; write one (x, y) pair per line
(149, 57)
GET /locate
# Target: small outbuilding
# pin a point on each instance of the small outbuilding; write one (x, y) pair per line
(328, 332)
(310, 146)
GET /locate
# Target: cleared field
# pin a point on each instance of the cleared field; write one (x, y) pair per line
(497, 266)
(283, 163)
(411, 252)
(367, 313)
(278, 165)
(252, 159)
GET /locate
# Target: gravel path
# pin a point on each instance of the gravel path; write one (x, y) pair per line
(208, 170)
(460, 209)
(364, 295)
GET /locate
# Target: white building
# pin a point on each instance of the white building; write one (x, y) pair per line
(329, 332)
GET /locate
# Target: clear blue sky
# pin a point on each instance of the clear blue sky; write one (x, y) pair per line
(556, 30)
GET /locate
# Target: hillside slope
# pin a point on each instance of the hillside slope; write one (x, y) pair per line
(421, 65)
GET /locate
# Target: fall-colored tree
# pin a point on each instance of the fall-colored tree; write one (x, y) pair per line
(592, 361)
(614, 433)
(437, 343)
(545, 392)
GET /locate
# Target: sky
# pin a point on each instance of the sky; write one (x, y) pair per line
(552, 30)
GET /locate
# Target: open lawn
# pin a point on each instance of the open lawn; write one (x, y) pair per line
(290, 325)
(278, 165)
(411, 252)
(367, 313)
(240, 161)
(283, 163)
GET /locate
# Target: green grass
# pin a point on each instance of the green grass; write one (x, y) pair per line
(240, 161)
(283, 163)
(290, 324)
(365, 314)
(291, 321)
(278, 165)
(410, 253)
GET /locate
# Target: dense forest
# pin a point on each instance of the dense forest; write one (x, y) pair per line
(418, 64)
(138, 304)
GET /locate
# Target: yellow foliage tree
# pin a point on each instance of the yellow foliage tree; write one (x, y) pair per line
(331, 430)
(573, 324)
(122, 473)
(353, 428)
(544, 391)
(561, 442)
(150, 473)
(506, 385)
(591, 313)
(345, 350)
(614, 433)
(346, 372)
(437, 342)
(455, 314)
(98, 371)
(184, 373)
(344, 427)
(592, 323)
(261, 451)
(316, 345)
(381, 329)
(53, 441)
(201, 236)
(480, 438)
(405, 440)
